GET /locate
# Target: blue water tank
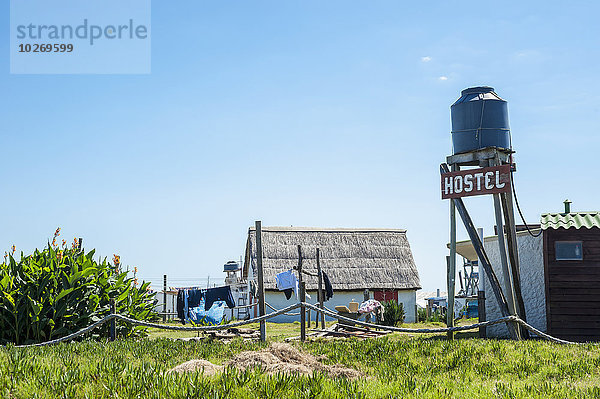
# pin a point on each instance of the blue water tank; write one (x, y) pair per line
(231, 266)
(479, 120)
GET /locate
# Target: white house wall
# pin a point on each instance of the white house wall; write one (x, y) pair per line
(278, 301)
(531, 260)
(171, 303)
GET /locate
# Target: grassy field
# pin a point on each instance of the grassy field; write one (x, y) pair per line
(396, 366)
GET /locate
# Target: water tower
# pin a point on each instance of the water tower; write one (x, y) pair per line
(481, 164)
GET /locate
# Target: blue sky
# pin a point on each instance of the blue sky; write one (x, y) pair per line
(304, 113)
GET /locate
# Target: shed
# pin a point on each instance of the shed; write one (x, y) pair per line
(560, 275)
(378, 260)
(572, 272)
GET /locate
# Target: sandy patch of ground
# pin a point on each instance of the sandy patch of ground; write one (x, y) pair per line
(205, 366)
(277, 358)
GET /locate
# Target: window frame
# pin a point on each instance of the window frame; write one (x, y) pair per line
(557, 259)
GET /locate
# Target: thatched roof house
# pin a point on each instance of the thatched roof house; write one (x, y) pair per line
(354, 259)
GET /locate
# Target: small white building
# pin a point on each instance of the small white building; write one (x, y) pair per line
(531, 259)
(355, 260)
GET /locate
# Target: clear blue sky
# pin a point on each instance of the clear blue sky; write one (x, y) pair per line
(304, 113)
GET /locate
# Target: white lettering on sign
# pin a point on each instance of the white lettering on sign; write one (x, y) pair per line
(448, 185)
(478, 176)
(458, 184)
(490, 180)
(468, 183)
(498, 184)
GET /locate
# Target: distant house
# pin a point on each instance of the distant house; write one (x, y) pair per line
(560, 275)
(378, 260)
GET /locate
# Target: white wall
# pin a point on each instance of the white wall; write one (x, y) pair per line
(171, 303)
(278, 301)
(531, 259)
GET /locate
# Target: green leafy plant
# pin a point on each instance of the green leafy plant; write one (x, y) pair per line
(57, 291)
(436, 316)
(393, 313)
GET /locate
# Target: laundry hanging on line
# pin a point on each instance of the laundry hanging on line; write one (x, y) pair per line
(287, 282)
(328, 287)
(219, 294)
(195, 298)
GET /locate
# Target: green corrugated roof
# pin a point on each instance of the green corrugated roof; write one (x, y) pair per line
(570, 220)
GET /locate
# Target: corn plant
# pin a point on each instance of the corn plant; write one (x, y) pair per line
(57, 291)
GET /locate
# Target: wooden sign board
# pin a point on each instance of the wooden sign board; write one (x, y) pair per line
(481, 181)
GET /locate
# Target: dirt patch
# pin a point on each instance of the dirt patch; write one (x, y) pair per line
(284, 358)
(277, 358)
(205, 366)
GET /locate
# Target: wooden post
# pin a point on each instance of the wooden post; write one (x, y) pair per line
(164, 298)
(451, 264)
(302, 313)
(366, 298)
(513, 256)
(300, 280)
(450, 304)
(321, 293)
(481, 290)
(113, 327)
(481, 312)
(508, 281)
(261, 283)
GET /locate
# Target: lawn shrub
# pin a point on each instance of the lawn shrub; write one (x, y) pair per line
(393, 313)
(57, 291)
(436, 316)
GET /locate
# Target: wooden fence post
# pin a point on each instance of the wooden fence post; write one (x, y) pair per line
(261, 284)
(164, 298)
(450, 301)
(366, 298)
(113, 328)
(302, 314)
(300, 280)
(321, 293)
(481, 312)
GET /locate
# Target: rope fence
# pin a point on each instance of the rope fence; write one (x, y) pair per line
(508, 319)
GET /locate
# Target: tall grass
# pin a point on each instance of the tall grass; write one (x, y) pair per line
(414, 368)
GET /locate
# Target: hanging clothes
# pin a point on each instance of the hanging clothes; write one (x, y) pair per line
(253, 288)
(328, 287)
(186, 307)
(287, 281)
(194, 297)
(213, 316)
(369, 306)
(218, 294)
(288, 293)
(180, 304)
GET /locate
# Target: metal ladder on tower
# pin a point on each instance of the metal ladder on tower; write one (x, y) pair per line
(243, 313)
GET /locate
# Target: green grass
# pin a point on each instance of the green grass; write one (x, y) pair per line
(397, 366)
(275, 331)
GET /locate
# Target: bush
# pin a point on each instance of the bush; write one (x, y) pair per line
(55, 292)
(437, 315)
(393, 313)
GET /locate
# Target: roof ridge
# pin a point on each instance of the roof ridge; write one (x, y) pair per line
(328, 229)
(571, 213)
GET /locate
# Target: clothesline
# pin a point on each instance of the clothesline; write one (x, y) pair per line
(190, 301)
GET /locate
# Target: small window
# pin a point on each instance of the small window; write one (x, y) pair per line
(569, 250)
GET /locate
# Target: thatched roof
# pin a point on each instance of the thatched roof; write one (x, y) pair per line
(354, 259)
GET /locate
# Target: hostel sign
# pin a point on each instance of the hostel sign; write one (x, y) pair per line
(481, 181)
